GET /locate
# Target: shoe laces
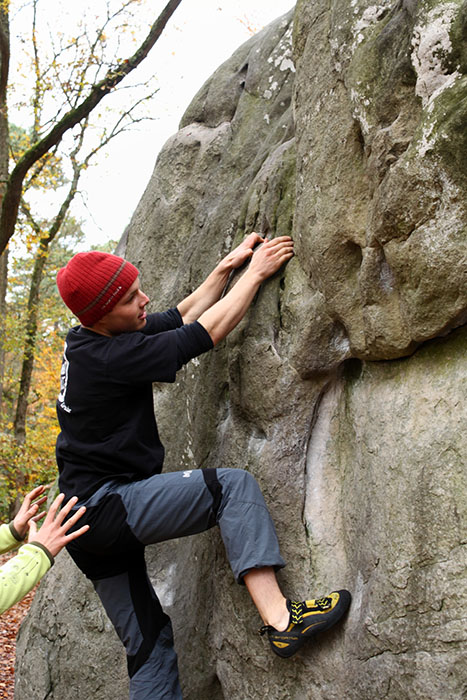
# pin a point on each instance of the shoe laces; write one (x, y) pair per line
(296, 612)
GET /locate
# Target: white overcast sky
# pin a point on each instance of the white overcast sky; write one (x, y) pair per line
(199, 37)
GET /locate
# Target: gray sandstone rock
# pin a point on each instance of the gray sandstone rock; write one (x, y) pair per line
(343, 390)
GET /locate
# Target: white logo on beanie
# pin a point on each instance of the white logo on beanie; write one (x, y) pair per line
(114, 293)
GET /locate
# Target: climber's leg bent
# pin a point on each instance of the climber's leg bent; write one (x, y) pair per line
(126, 516)
(193, 501)
(123, 518)
(182, 503)
(145, 630)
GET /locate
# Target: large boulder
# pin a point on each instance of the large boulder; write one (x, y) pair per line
(342, 391)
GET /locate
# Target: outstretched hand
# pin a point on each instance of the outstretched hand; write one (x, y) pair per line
(243, 252)
(222, 317)
(53, 533)
(270, 257)
(29, 509)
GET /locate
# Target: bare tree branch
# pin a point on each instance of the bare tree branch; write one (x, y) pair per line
(38, 168)
(36, 103)
(12, 196)
(120, 126)
(4, 54)
(26, 210)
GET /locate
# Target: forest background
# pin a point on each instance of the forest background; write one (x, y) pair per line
(81, 92)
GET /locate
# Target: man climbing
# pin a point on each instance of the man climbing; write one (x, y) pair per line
(110, 454)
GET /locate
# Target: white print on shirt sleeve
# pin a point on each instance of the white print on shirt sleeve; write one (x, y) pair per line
(64, 381)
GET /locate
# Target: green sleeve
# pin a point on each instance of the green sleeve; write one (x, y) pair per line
(21, 573)
(7, 539)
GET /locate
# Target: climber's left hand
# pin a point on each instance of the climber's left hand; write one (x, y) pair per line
(243, 252)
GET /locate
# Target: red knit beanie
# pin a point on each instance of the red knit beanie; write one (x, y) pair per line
(92, 283)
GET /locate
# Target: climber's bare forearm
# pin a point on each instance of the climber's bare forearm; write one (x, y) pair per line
(223, 316)
(206, 295)
(211, 290)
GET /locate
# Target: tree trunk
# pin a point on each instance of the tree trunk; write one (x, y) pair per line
(4, 149)
(30, 343)
(3, 286)
(19, 426)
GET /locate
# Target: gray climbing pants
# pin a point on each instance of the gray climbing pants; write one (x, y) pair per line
(124, 518)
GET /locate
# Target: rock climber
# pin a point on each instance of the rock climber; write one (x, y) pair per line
(109, 453)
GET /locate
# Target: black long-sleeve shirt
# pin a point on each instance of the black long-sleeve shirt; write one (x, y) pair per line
(105, 407)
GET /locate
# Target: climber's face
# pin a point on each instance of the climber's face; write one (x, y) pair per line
(127, 315)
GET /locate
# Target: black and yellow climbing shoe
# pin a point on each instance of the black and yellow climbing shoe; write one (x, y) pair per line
(306, 619)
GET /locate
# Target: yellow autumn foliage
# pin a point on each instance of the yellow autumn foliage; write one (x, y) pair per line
(33, 462)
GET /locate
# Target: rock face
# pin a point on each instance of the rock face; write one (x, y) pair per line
(343, 390)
